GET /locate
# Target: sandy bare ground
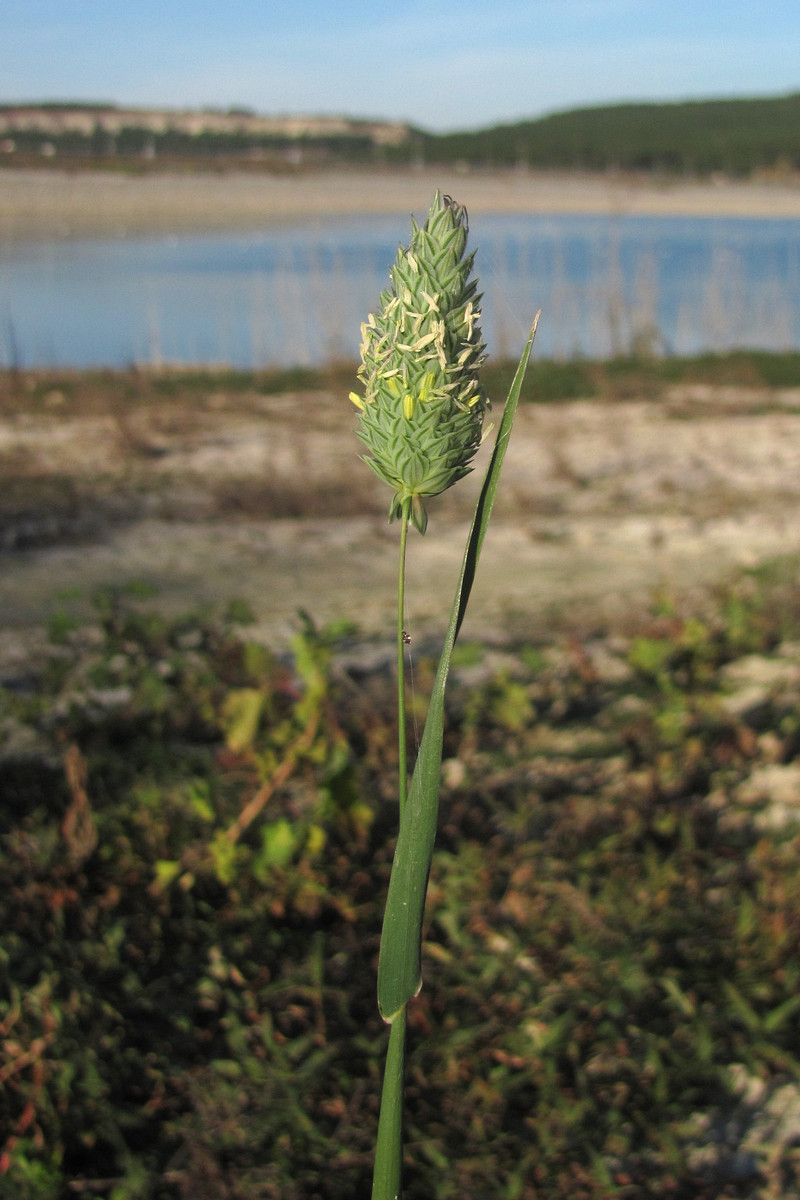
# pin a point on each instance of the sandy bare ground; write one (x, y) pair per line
(54, 203)
(602, 505)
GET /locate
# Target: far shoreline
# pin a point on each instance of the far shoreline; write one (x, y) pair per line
(53, 203)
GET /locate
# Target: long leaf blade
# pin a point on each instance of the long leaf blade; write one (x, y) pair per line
(399, 969)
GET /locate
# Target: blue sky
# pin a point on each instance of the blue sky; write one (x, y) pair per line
(441, 64)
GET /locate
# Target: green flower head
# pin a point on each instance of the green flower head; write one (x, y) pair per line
(421, 415)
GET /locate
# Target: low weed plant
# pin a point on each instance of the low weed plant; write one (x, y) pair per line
(191, 927)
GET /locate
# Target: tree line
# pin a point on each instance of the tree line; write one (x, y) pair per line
(700, 137)
(736, 137)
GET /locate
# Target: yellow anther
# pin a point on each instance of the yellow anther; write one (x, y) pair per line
(471, 315)
(426, 385)
(359, 403)
(408, 406)
(424, 341)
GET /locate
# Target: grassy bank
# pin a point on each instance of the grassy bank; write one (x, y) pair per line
(91, 391)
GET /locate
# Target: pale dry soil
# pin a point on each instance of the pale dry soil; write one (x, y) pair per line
(55, 203)
(602, 506)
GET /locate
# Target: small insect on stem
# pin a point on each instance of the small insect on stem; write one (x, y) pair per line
(406, 638)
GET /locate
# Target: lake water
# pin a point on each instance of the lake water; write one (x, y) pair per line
(297, 295)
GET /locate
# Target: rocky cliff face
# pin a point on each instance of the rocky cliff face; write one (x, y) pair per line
(86, 120)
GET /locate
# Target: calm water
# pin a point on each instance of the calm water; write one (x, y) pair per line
(297, 296)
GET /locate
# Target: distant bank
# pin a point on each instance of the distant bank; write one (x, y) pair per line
(740, 138)
(49, 203)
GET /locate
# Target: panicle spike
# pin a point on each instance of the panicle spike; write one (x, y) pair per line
(421, 417)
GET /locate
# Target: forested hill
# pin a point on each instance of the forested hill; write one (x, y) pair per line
(737, 137)
(734, 136)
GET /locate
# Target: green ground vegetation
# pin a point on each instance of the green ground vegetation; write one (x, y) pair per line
(195, 842)
(547, 381)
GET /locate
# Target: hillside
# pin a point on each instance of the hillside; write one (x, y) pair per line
(737, 137)
(734, 136)
(56, 132)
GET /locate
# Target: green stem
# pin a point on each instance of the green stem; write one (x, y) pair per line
(388, 1175)
(402, 788)
(387, 1179)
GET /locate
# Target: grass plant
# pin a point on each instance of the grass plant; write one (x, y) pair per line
(422, 421)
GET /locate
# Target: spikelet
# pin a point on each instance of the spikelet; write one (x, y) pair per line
(421, 415)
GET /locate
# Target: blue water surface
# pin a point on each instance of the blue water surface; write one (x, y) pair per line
(296, 295)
